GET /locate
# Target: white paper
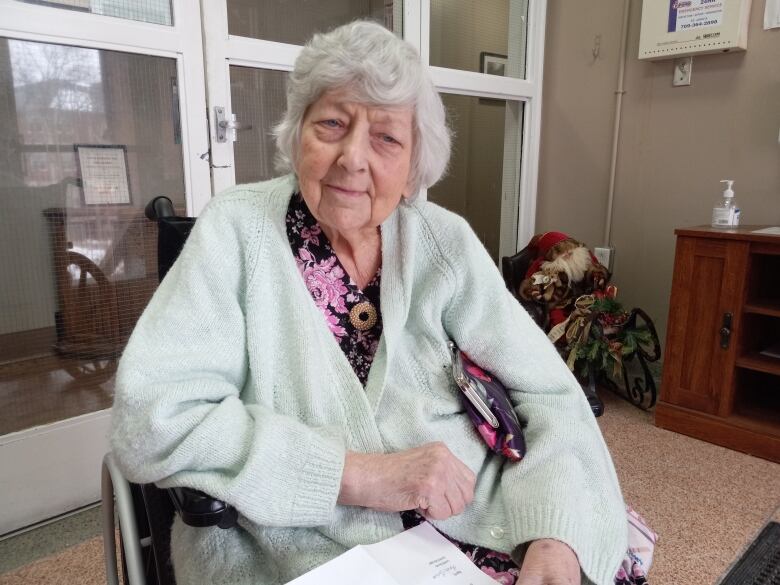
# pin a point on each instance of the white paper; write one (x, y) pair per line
(354, 567)
(418, 556)
(772, 231)
(772, 14)
(104, 175)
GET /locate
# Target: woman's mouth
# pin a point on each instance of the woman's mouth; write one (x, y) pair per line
(347, 192)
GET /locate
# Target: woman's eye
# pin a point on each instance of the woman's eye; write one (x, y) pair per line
(388, 139)
(331, 123)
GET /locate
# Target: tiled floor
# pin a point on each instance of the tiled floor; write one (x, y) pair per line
(49, 539)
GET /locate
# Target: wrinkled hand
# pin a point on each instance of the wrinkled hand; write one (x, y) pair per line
(428, 478)
(549, 562)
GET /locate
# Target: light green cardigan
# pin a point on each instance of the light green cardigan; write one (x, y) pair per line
(233, 384)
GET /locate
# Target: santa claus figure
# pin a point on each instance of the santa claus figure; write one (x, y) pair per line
(564, 269)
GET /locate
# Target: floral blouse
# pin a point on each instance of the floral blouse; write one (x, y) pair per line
(352, 314)
(355, 320)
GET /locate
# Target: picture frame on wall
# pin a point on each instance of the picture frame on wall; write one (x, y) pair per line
(104, 173)
(493, 63)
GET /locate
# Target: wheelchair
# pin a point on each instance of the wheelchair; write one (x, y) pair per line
(145, 512)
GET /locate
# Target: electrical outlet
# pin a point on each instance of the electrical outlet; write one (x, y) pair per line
(682, 71)
(605, 256)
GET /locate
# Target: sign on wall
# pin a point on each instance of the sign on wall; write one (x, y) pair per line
(672, 28)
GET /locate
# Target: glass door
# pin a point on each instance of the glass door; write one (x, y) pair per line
(484, 58)
(93, 131)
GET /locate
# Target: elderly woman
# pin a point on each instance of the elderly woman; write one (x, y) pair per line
(294, 362)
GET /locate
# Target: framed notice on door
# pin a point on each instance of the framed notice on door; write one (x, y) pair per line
(104, 177)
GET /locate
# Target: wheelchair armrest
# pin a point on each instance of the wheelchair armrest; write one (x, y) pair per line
(158, 208)
(201, 510)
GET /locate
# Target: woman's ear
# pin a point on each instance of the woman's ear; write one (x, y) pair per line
(409, 191)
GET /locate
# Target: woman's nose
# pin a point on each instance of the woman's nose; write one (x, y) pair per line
(354, 151)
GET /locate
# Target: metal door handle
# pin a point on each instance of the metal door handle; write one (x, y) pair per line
(227, 126)
(233, 125)
(725, 331)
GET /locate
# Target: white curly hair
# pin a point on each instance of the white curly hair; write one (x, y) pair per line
(380, 70)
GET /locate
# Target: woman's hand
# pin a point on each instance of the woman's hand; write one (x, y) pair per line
(549, 562)
(428, 478)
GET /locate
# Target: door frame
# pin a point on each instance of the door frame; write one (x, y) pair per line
(521, 153)
(68, 453)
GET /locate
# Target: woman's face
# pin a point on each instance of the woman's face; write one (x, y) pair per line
(354, 161)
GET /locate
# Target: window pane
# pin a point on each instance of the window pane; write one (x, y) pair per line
(295, 21)
(90, 137)
(487, 36)
(258, 98)
(483, 178)
(154, 11)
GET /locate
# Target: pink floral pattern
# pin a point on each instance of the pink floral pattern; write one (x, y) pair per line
(507, 577)
(325, 281)
(331, 288)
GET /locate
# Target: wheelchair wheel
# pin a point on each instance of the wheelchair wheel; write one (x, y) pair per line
(150, 569)
(155, 548)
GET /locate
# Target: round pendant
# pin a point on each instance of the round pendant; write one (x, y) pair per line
(363, 316)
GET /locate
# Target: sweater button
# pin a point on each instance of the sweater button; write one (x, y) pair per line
(496, 532)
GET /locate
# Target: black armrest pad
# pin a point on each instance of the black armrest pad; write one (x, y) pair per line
(201, 510)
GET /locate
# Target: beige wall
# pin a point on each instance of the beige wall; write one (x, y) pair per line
(577, 109)
(676, 143)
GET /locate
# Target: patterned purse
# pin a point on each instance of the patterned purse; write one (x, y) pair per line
(487, 404)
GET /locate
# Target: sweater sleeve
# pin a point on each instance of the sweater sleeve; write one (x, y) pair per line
(566, 487)
(179, 418)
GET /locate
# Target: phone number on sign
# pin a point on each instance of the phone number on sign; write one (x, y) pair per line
(698, 24)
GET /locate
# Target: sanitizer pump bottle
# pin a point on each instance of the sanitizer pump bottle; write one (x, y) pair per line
(725, 214)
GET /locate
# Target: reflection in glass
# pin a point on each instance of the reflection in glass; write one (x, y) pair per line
(487, 36)
(78, 276)
(258, 98)
(295, 21)
(154, 11)
(481, 184)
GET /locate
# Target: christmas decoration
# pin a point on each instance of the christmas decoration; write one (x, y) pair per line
(594, 334)
(563, 271)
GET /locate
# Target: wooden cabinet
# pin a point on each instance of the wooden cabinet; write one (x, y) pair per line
(721, 376)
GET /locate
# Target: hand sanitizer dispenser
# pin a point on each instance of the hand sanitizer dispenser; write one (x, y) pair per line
(725, 214)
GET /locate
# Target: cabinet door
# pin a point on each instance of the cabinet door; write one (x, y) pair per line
(708, 283)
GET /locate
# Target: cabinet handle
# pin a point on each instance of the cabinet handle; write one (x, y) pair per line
(725, 331)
